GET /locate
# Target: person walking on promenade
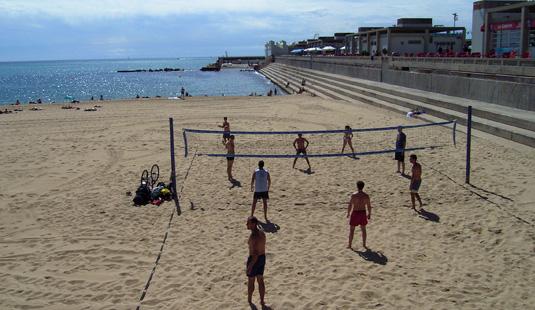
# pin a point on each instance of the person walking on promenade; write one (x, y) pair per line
(357, 209)
(301, 144)
(399, 156)
(256, 261)
(260, 184)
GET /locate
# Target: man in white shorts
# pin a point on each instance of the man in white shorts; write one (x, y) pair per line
(260, 184)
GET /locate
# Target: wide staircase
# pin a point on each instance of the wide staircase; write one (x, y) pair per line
(509, 123)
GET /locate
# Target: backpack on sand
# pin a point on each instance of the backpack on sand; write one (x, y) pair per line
(142, 195)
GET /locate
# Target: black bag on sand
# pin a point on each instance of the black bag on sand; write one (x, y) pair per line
(142, 195)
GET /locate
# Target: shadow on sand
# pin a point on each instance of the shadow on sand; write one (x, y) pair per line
(491, 193)
(406, 176)
(306, 171)
(427, 215)
(269, 227)
(264, 307)
(235, 183)
(353, 157)
(373, 256)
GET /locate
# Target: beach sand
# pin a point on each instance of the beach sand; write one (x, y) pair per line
(71, 239)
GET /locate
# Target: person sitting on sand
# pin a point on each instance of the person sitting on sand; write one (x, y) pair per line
(256, 261)
(415, 112)
(416, 180)
(348, 136)
(301, 144)
(226, 129)
(260, 184)
(357, 208)
(229, 145)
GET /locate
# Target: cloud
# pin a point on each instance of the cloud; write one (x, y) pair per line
(81, 10)
(200, 27)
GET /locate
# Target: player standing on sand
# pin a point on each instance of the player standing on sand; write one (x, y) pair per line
(348, 136)
(358, 202)
(256, 260)
(226, 129)
(301, 145)
(416, 180)
(260, 184)
(399, 156)
(229, 145)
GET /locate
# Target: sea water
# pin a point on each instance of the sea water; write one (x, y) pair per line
(62, 81)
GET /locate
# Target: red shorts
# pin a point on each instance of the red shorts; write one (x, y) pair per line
(358, 218)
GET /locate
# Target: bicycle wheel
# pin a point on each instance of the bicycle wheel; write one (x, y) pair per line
(145, 177)
(154, 174)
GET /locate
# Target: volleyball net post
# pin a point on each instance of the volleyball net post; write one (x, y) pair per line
(173, 165)
(372, 141)
(468, 143)
(185, 136)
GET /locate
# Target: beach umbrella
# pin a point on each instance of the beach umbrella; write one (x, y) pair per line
(313, 49)
(297, 51)
(328, 48)
(343, 48)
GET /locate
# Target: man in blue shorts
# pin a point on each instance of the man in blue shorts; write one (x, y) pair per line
(399, 156)
(256, 261)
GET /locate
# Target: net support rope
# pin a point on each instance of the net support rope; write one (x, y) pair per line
(313, 132)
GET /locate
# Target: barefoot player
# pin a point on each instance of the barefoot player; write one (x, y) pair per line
(348, 136)
(226, 129)
(358, 203)
(260, 184)
(416, 180)
(229, 145)
(301, 145)
(256, 260)
(399, 156)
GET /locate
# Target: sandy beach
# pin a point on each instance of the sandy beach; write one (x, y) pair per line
(72, 239)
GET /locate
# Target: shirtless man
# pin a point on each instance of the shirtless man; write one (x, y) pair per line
(229, 145)
(260, 184)
(301, 145)
(256, 260)
(416, 180)
(358, 202)
(226, 129)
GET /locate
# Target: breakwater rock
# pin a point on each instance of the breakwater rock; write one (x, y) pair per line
(151, 70)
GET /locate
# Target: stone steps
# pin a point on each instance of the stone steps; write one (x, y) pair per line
(509, 126)
(294, 83)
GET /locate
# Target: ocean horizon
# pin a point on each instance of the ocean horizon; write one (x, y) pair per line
(59, 81)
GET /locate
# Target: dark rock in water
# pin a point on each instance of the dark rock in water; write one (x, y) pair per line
(211, 67)
(151, 70)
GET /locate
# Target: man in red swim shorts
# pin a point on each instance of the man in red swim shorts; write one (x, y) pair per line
(358, 202)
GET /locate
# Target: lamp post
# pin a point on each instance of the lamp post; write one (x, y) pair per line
(455, 18)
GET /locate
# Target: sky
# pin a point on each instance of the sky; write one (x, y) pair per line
(109, 29)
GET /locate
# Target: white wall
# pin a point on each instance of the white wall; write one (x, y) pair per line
(400, 43)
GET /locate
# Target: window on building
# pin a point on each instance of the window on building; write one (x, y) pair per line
(414, 42)
(531, 40)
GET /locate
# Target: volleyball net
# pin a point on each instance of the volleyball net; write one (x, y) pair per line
(322, 143)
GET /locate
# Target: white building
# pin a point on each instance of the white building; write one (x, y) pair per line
(276, 48)
(410, 36)
(510, 27)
